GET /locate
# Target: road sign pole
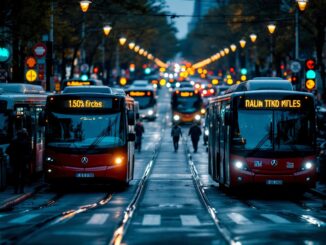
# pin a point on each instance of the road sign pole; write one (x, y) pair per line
(49, 65)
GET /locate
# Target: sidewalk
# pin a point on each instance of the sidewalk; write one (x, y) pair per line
(9, 199)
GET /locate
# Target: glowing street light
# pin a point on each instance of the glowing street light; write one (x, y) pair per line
(271, 28)
(84, 5)
(226, 50)
(107, 29)
(253, 37)
(131, 45)
(302, 4)
(122, 40)
(242, 43)
(233, 47)
(136, 49)
(222, 53)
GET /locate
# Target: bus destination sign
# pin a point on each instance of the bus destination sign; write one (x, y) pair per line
(88, 104)
(186, 94)
(78, 83)
(137, 93)
(272, 103)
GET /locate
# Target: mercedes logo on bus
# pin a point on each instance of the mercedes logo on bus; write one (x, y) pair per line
(84, 160)
(274, 163)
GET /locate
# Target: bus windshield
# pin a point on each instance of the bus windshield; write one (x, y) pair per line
(144, 102)
(273, 130)
(189, 104)
(85, 131)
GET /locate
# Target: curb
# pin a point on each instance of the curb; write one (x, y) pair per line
(11, 203)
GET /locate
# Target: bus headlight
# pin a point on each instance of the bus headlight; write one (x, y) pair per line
(307, 166)
(118, 160)
(177, 84)
(197, 117)
(203, 111)
(176, 117)
(150, 112)
(240, 165)
(206, 132)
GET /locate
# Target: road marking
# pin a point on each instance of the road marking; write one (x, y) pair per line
(98, 219)
(189, 220)
(151, 219)
(239, 219)
(312, 220)
(23, 219)
(276, 218)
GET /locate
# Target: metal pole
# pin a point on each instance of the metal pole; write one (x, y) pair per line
(103, 58)
(272, 51)
(296, 55)
(82, 40)
(117, 61)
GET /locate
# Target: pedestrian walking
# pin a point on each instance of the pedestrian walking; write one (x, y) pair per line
(139, 130)
(20, 151)
(194, 133)
(175, 134)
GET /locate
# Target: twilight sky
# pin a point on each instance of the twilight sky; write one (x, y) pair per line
(181, 7)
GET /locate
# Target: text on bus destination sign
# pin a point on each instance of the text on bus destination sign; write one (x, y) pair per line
(78, 83)
(137, 93)
(272, 103)
(186, 94)
(85, 104)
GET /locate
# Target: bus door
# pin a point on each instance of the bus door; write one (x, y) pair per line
(224, 148)
(227, 147)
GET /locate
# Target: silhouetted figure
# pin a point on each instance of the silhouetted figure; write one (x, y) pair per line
(176, 133)
(19, 151)
(194, 133)
(139, 130)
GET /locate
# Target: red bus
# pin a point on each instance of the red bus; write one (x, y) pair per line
(258, 135)
(186, 105)
(89, 136)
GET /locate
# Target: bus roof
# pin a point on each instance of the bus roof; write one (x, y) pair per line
(261, 84)
(21, 88)
(138, 88)
(87, 89)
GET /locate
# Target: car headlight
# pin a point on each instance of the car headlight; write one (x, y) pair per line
(206, 132)
(307, 165)
(177, 84)
(197, 117)
(150, 112)
(203, 111)
(168, 85)
(176, 117)
(49, 160)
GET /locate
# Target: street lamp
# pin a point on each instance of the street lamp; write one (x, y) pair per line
(122, 40)
(271, 29)
(233, 47)
(253, 37)
(106, 29)
(222, 53)
(131, 45)
(226, 50)
(136, 49)
(242, 43)
(84, 5)
(302, 4)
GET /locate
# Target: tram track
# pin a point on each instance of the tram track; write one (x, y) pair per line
(122, 227)
(57, 218)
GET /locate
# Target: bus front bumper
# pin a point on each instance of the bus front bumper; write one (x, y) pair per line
(56, 173)
(302, 178)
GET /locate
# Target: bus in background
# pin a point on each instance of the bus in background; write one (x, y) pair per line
(146, 98)
(20, 107)
(262, 133)
(89, 137)
(186, 105)
(80, 82)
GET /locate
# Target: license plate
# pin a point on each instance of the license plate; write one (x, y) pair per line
(274, 182)
(85, 175)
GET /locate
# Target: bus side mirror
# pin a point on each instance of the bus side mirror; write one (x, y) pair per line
(131, 137)
(131, 117)
(227, 117)
(41, 119)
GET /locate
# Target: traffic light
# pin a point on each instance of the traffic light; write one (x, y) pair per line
(310, 75)
(294, 79)
(95, 70)
(243, 71)
(232, 70)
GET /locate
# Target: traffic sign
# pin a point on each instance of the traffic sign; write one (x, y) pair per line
(39, 50)
(84, 68)
(4, 54)
(30, 62)
(295, 66)
(31, 75)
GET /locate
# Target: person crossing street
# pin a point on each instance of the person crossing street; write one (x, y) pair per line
(194, 133)
(175, 134)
